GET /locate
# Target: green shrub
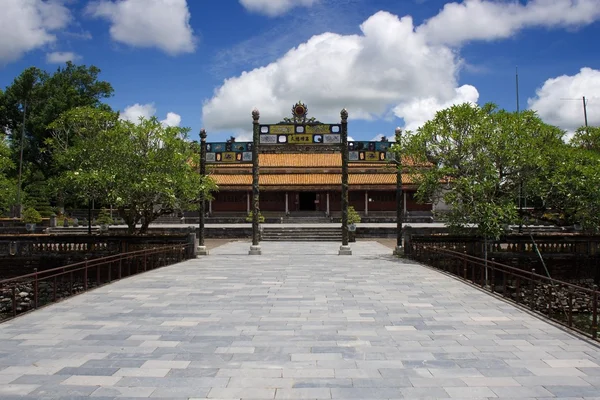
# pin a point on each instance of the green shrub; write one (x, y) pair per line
(261, 218)
(31, 216)
(104, 218)
(353, 217)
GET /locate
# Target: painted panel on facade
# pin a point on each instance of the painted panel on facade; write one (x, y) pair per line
(315, 133)
(370, 151)
(228, 152)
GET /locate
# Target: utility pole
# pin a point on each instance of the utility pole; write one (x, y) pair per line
(585, 113)
(518, 129)
(585, 119)
(21, 161)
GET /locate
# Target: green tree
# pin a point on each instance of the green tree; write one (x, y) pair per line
(568, 187)
(80, 140)
(479, 159)
(145, 169)
(587, 138)
(43, 97)
(7, 184)
(157, 175)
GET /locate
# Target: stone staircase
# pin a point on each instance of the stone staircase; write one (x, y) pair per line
(306, 217)
(302, 234)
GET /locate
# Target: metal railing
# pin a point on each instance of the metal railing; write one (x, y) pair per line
(39, 288)
(570, 305)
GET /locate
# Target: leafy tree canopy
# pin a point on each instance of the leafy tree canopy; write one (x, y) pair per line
(7, 185)
(587, 138)
(144, 169)
(43, 97)
(483, 157)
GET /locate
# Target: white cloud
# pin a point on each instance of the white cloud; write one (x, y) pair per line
(488, 20)
(560, 100)
(390, 68)
(172, 119)
(386, 65)
(134, 112)
(26, 25)
(243, 137)
(164, 24)
(61, 57)
(378, 137)
(420, 110)
(274, 7)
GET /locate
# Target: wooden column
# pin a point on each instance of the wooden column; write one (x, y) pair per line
(366, 202)
(255, 247)
(344, 248)
(287, 208)
(202, 251)
(328, 211)
(399, 195)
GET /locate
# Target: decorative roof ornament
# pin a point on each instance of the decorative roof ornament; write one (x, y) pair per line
(299, 115)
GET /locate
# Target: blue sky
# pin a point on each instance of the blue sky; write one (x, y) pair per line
(203, 63)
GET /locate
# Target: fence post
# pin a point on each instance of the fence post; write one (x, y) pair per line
(35, 289)
(493, 284)
(192, 251)
(570, 303)
(550, 300)
(595, 313)
(465, 267)
(14, 300)
(120, 266)
(85, 275)
(532, 288)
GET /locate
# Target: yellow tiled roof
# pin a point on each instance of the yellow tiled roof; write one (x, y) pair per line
(303, 160)
(300, 160)
(308, 179)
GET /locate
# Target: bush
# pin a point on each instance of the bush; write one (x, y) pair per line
(104, 218)
(353, 217)
(261, 218)
(31, 216)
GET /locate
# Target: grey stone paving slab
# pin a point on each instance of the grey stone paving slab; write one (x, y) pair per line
(298, 322)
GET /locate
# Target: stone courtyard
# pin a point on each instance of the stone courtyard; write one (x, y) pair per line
(298, 322)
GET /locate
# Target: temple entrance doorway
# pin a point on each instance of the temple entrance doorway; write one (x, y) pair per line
(307, 201)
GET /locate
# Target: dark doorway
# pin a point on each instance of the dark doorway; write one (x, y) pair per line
(307, 201)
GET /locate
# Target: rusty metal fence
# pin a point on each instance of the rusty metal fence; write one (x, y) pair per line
(34, 290)
(573, 306)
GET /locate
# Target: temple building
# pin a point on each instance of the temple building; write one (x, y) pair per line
(300, 171)
(305, 183)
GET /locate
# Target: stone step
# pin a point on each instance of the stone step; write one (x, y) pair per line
(283, 239)
(300, 234)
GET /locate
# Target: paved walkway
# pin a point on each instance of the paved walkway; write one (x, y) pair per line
(297, 322)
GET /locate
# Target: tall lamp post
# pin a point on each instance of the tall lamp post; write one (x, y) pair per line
(399, 200)
(202, 251)
(344, 248)
(255, 247)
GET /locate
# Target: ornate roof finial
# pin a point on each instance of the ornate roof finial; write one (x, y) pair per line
(203, 134)
(344, 115)
(255, 115)
(398, 131)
